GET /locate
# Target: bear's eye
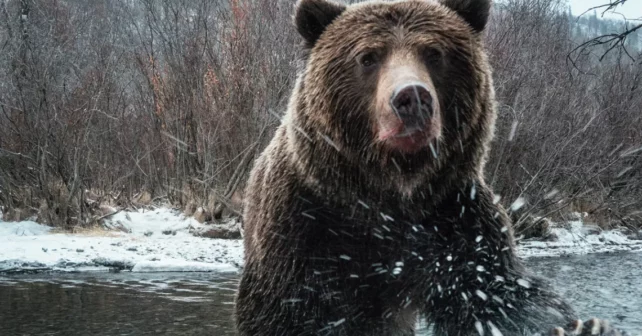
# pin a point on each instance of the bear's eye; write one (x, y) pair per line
(368, 60)
(431, 56)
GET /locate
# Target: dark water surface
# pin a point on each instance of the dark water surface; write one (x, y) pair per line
(609, 286)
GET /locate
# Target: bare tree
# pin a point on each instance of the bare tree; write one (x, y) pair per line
(610, 41)
(123, 103)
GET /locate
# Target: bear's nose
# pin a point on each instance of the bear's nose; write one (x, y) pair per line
(412, 104)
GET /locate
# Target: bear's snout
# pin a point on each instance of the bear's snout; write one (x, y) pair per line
(413, 105)
(411, 119)
(408, 118)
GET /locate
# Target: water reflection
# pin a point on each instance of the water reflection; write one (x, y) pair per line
(605, 285)
(201, 304)
(117, 305)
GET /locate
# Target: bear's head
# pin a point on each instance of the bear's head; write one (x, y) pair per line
(396, 86)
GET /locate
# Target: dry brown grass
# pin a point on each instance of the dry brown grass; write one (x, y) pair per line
(93, 231)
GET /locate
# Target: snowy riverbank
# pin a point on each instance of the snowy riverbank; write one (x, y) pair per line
(158, 241)
(161, 240)
(575, 238)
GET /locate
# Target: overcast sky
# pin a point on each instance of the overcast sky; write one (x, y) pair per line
(632, 9)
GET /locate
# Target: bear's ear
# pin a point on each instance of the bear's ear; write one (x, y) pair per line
(475, 12)
(313, 16)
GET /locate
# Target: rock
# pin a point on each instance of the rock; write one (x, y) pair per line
(533, 227)
(228, 229)
(80, 250)
(148, 233)
(132, 249)
(44, 249)
(169, 232)
(114, 264)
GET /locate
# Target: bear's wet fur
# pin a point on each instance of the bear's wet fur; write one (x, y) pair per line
(358, 224)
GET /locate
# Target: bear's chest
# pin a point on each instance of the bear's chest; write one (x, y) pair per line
(377, 244)
(391, 253)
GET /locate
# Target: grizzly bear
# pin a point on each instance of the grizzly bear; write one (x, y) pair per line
(368, 210)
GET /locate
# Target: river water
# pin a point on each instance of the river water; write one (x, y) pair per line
(608, 286)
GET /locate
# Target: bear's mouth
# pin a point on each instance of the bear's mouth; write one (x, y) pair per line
(410, 140)
(396, 135)
(410, 121)
(406, 136)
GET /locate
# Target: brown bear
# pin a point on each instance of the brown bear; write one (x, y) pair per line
(368, 210)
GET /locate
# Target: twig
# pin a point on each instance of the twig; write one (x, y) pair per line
(109, 215)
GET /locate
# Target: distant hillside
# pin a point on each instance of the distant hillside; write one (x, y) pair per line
(592, 24)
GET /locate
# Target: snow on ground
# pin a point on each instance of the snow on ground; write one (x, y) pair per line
(160, 241)
(578, 238)
(156, 241)
(150, 266)
(24, 229)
